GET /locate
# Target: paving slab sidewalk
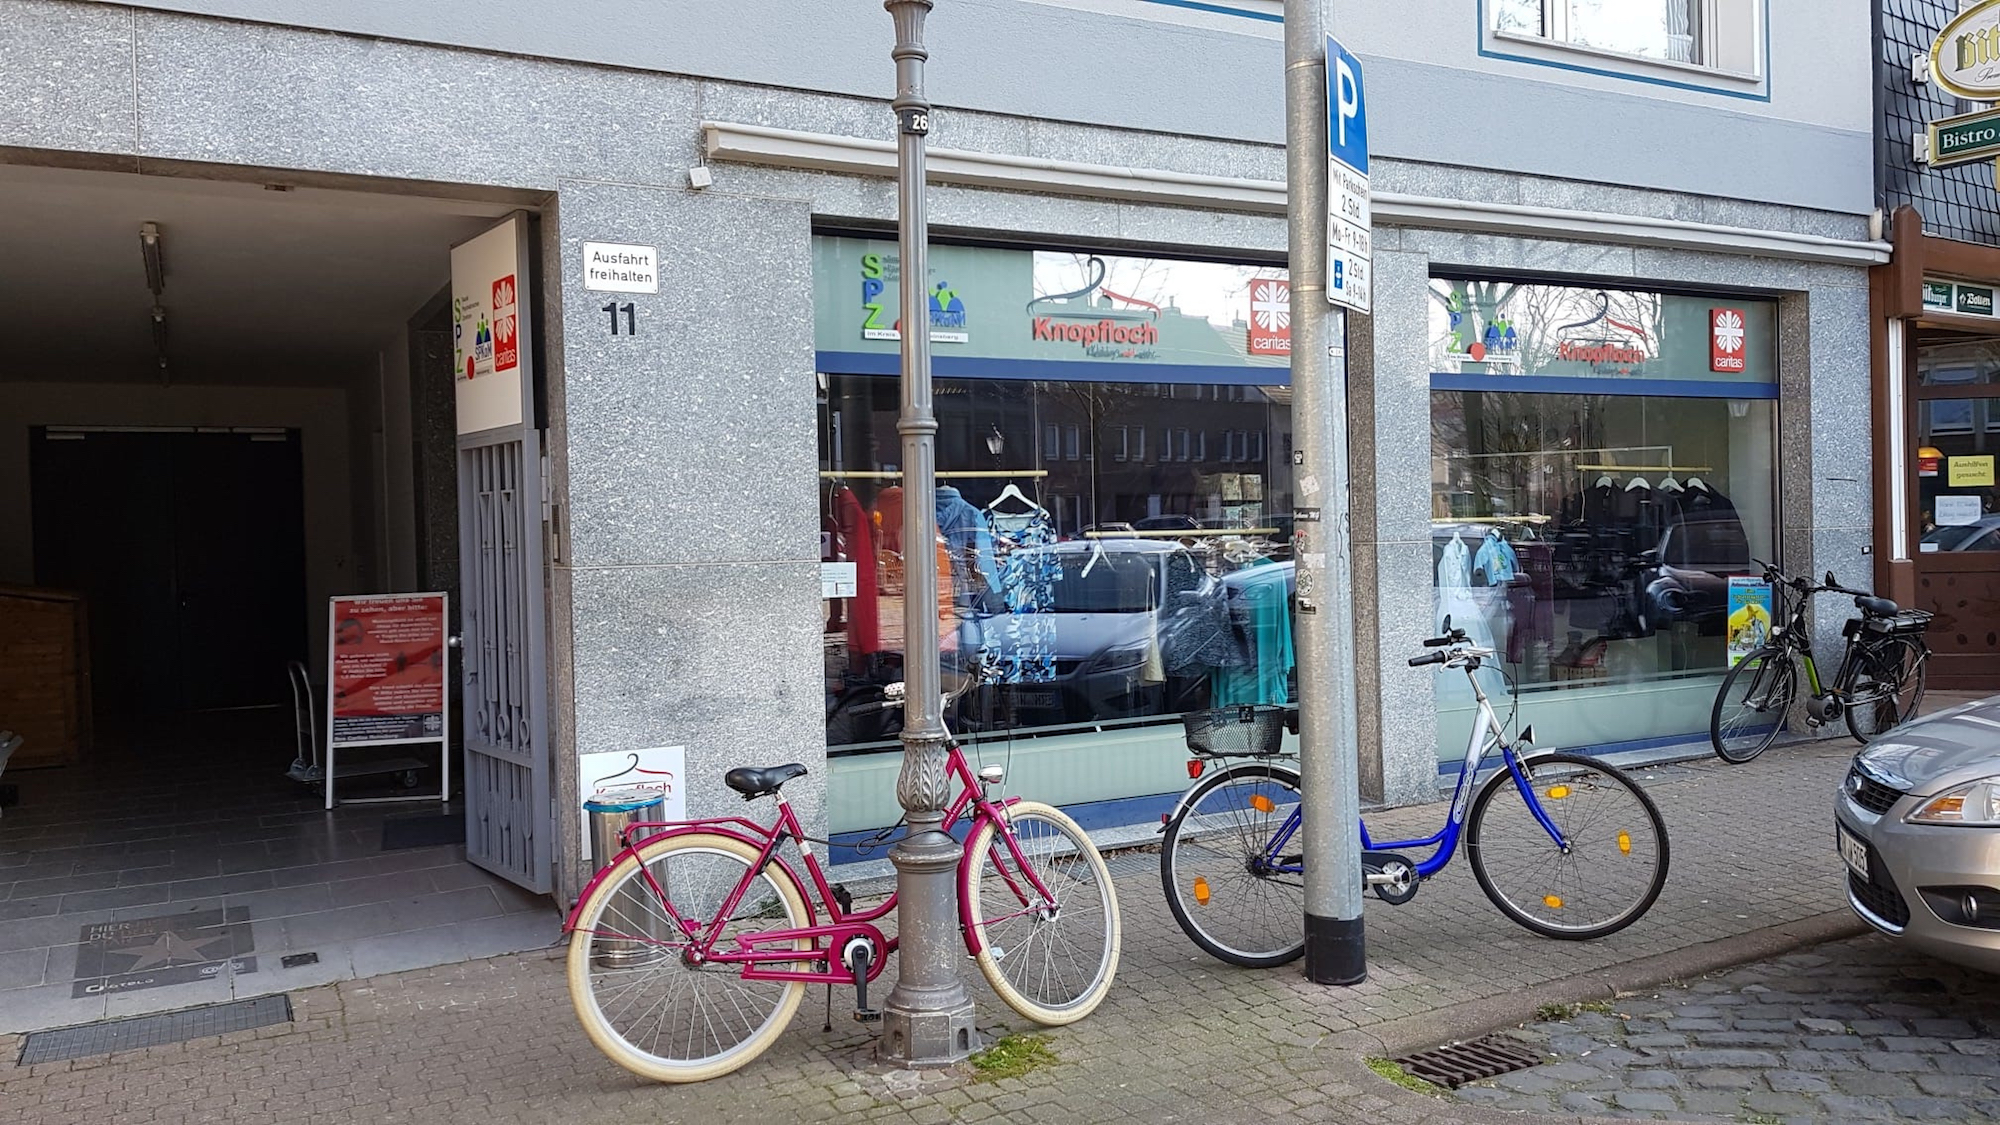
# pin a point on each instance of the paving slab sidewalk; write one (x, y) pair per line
(1181, 1038)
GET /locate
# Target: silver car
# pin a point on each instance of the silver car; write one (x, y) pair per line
(1918, 826)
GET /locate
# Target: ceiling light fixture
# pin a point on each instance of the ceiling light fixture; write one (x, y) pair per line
(149, 246)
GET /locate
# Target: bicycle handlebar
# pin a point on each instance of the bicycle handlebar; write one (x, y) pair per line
(1430, 657)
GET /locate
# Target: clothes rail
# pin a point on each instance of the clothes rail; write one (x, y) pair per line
(1185, 533)
(1645, 468)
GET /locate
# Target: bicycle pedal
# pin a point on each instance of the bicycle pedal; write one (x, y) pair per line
(868, 1015)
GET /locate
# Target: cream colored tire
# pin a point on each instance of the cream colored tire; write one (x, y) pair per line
(727, 855)
(1052, 969)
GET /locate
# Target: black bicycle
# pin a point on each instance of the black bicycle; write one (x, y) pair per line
(1880, 682)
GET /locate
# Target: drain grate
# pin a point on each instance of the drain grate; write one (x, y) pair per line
(1459, 1063)
(108, 1036)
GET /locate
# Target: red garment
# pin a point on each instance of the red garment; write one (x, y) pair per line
(889, 513)
(864, 633)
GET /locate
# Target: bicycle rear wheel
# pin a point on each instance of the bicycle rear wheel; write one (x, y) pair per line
(1222, 886)
(1751, 705)
(638, 995)
(1050, 958)
(1888, 686)
(1604, 874)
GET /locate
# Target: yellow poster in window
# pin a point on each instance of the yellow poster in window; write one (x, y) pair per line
(1971, 471)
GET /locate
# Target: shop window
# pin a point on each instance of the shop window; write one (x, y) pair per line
(1601, 468)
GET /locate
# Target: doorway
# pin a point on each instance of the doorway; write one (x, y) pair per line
(192, 560)
(1955, 415)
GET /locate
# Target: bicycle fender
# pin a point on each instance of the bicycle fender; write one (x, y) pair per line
(1188, 793)
(693, 829)
(973, 947)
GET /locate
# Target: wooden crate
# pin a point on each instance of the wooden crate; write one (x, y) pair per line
(44, 675)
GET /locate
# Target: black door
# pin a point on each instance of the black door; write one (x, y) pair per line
(191, 550)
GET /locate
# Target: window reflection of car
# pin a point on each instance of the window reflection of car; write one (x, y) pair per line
(1687, 578)
(1979, 535)
(1104, 619)
(1166, 523)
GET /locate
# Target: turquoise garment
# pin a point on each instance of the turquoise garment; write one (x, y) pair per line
(1264, 606)
(1497, 560)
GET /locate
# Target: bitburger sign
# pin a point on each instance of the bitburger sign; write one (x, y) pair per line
(1965, 60)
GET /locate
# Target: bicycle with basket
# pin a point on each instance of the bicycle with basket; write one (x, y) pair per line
(1582, 854)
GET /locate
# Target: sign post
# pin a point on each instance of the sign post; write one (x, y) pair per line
(1326, 142)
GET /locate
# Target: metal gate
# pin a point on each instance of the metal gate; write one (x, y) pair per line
(509, 827)
(507, 810)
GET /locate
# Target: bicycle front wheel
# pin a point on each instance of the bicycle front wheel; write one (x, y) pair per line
(1049, 956)
(1604, 872)
(1750, 707)
(1228, 883)
(643, 999)
(1888, 687)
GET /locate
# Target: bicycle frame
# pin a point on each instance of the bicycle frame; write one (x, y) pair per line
(829, 937)
(1486, 735)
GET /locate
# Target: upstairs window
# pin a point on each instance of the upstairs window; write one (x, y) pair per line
(1718, 35)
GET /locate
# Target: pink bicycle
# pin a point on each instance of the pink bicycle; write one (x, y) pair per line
(690, 952)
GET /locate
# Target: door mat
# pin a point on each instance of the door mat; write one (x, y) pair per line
(423, 831)
(165, 949)
(106, 1036)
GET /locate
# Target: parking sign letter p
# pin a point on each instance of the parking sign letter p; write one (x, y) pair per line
(1348, 100)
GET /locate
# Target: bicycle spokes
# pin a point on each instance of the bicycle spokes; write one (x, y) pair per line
(1598, 869)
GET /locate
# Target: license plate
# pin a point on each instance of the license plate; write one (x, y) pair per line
(1853, 851)
(1042, 699)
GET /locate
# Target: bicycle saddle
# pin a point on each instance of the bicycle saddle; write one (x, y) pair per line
(1875, 607)
(754, 783)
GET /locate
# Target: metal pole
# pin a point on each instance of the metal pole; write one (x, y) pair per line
(1329, 781)
(928, 1016)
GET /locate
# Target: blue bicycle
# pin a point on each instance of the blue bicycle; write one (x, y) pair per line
(1582, 854)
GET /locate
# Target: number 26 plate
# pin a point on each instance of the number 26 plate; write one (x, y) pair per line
(1852, 850)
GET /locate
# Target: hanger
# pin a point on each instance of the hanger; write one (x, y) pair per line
(1015, 492)
(1669, 484)
(1636, 483)
(1096, 554)
(1604, 481)
(1697, 482)
(631, 767)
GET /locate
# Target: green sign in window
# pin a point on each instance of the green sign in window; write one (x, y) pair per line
(1937, 295)
(1975, 300)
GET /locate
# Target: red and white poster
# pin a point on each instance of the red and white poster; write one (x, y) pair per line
(386, 666)
(1270, 317)
(1727, 337)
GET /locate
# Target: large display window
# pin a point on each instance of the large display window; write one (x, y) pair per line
(1114, 499)
(1602, 465)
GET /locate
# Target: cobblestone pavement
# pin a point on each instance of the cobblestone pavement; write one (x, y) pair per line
(1852, 1030)
(1181, 1038)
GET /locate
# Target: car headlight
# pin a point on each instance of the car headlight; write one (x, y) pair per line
(1976, 803)
(1114, 659)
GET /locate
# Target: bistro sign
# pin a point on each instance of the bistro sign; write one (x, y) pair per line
(1965, 60)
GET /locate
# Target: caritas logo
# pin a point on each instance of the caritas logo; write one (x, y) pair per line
(1270, 317)
(1726, 338)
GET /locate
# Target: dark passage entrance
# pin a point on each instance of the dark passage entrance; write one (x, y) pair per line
(190, 548)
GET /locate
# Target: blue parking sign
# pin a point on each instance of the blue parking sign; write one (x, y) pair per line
(1347, 114)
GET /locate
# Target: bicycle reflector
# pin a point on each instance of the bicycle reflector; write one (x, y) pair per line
(1262, 803)
(1553, 902)
(1195, 766)
(1625, 843)
(1558, 792)
(1201, 890)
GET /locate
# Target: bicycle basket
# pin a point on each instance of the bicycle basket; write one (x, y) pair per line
(1907, 622)
(1235, 732)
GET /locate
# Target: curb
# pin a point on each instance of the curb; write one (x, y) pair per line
(1480, 1017)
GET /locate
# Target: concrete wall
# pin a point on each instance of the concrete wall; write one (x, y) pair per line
(319, 414)
(1437, 96)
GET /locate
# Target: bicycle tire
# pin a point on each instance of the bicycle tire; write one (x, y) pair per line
(666, 980)
(1068, 864)
(1768, 681)
(1615, 836)
(1220, 853)
(1891, 673)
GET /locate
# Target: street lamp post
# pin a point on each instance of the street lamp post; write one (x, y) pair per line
(927, 1019)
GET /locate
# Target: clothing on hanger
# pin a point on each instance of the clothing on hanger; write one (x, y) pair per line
(857, 532)
(974, 563)
(1265, 612)
(889, 517)
(1019, 646)
(1496, 559)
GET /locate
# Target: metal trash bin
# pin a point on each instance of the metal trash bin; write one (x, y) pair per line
(634, 913)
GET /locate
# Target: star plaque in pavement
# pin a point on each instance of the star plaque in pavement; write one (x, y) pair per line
(168, 948)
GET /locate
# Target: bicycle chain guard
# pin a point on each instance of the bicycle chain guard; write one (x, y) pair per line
(1393, 877)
